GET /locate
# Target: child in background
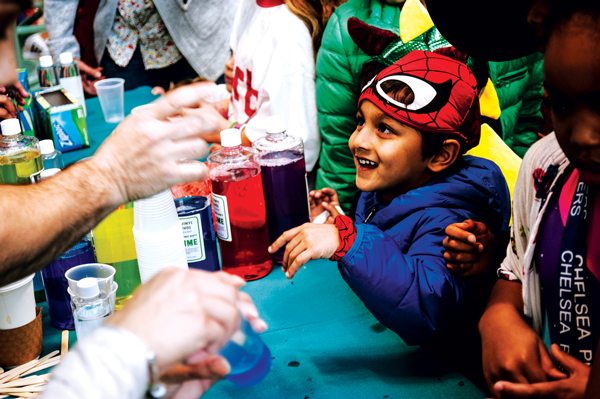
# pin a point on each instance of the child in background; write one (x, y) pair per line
(415, 120)
(274, 44)
(552, 267)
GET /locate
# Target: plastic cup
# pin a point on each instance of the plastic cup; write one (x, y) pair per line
(139, 108)
(110, 94)
(112, 295)
(17, 304)
(155, 214)
(104, 273)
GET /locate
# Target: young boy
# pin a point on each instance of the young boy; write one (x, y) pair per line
(415, 120)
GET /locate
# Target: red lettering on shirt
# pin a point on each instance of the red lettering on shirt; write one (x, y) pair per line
(239, 75)
(249, 93)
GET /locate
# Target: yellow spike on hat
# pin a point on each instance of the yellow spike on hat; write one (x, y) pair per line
(414, 20)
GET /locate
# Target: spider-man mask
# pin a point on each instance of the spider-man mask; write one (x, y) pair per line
(445, 96)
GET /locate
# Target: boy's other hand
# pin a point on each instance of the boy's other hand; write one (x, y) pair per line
(571, 388)
(306, 242)
(318, 197)
(89, 76)
(469, 246)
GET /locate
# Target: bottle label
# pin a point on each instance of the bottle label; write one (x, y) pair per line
(222, 217)
(193, 238)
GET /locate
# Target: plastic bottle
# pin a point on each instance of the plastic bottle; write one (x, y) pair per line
(248, 356)
(239, 207)
(47, 75)
(281, 160)
(113, 241)
(70, 78)
(51, 157)
(20, 157)
(90, 308)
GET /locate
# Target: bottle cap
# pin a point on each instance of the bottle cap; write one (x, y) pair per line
(10, 127)
(46, 61)
(231, 137)
(47, 173)
(275, 124)
(46, 147)
(88, 288)
(66, 58)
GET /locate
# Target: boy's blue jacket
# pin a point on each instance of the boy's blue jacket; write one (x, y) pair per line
(396, 264)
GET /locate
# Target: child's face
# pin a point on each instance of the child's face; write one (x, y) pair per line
(229, 72)
(572, 74)
(387, 154)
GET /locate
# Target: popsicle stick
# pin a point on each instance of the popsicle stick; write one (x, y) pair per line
(44, 366)
(21, 382)
(64, 343)
(17, 371)
(25, 389)
(23, 394)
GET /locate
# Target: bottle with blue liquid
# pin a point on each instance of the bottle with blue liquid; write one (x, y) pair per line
(248, 356)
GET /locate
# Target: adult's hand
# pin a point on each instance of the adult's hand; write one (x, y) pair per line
(572, 387)
(512, 351)
(89, 76)
(143, 155)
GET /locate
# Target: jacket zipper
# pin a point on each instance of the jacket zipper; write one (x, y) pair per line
(370, 215)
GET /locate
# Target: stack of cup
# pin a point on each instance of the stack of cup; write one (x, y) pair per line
(157, 235)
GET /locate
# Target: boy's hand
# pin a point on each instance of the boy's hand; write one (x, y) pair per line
(571, 388)
(306, 242)
(318, 198)
(469, 247)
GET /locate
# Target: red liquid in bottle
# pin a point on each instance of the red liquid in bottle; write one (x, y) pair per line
(246, 254)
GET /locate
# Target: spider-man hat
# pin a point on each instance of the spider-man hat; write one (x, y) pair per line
(445, 92)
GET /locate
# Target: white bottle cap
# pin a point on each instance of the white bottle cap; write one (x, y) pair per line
(46, 147)
(275, 124)
(10, 127)
(88, 288)
(47, 173)
(66, 58)
(231, 137)
(46, 61)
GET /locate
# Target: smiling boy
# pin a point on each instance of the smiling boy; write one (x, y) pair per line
(415, 120)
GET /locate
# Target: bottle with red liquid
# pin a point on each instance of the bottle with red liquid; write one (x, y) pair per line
(239, 207)
(281, 160)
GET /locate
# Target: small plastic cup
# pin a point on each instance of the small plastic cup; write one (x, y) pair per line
(110, 93)
(104, 273)
(17, 304)
(139, 108)
(155, 214)
(112, 295)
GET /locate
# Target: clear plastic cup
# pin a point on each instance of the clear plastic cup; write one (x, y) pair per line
(110, 93)
(18, 304)
(112, 295)
(156, 213)
(104, 273)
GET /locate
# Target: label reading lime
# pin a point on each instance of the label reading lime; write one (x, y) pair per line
(222, 217)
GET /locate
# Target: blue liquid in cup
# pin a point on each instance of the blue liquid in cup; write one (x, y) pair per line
(249, 357)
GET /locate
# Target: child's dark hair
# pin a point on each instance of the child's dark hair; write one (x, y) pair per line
(401, 92)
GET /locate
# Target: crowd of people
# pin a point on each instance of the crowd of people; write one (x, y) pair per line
(389, 97)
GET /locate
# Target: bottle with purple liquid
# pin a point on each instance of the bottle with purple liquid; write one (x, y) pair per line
(281, 159)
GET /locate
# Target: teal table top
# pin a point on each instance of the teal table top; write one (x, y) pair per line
(98, 129)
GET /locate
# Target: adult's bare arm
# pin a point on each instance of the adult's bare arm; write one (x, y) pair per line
(140, 158)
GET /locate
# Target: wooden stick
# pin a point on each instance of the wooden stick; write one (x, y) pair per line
(44, 366)
(25, 389)
(21, 382)
(14, 373)
(64, 343)
(23, 394)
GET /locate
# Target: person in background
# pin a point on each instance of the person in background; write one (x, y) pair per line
(516, 87)
(274, 43)
(150, 43)
(414, 179)
(180, 318)
(551, 267)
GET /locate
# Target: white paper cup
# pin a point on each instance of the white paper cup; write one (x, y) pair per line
(110, 93)
(139, 108)
(17, 304)
(104, 273)
(155, 214)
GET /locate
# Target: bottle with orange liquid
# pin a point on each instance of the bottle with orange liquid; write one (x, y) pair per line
(239, 207)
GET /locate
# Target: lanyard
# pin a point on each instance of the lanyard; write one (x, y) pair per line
(575, 336)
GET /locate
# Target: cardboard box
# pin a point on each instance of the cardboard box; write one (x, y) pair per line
(60, 118)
